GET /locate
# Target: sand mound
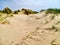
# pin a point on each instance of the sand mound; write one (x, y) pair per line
(37, 29)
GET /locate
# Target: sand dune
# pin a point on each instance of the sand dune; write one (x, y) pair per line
(37, 29)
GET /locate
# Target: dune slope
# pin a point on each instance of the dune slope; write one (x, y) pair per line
(37, 29)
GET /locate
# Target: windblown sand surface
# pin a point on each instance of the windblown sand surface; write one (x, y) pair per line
(37, 29)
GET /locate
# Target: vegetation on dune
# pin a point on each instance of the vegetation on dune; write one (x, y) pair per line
(6, 11)
(25, 11)
(42, 10)
(10, 15)
(16, 12)
(28, 11)
(52, 10)
(3, 20)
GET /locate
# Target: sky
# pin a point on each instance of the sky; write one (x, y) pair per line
(36, 5)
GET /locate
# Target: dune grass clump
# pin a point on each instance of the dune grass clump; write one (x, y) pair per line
(16, 12)
(10, 15)
(4, 14)
(28, 11)
(3, 20)
(53, 10)
(42, 10)
(6, 10)
(0, 14)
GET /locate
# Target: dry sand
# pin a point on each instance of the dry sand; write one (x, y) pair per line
(34, 29)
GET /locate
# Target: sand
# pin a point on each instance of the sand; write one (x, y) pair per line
(30, 30)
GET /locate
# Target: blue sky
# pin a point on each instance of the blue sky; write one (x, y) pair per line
(29, 4)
